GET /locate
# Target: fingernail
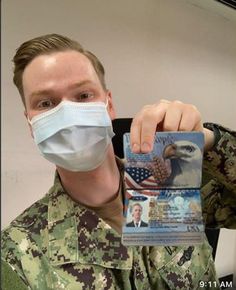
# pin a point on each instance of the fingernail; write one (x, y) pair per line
(146, 147)
(136, 147)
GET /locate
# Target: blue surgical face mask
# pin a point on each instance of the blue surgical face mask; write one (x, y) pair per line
(74, 136)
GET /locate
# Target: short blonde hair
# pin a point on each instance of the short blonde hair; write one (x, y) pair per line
(47, 44)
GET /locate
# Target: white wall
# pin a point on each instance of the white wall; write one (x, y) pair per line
(151, 49)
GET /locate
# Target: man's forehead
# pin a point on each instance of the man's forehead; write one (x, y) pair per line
(66, 66)
(56, 57)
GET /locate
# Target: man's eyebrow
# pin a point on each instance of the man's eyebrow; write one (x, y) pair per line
(49, 92)
(41, 93)
(80, 84)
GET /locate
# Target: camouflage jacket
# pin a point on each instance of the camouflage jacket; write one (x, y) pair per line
(59, 244)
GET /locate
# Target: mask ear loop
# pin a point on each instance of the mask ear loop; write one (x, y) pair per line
(106, 104)
(29, 121)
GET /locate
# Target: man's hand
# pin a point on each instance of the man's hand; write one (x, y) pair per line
(166, 116)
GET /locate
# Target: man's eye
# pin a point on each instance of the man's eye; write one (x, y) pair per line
(45, 104)
(85, 96)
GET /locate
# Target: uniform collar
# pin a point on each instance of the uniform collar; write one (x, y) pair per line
(77, 234)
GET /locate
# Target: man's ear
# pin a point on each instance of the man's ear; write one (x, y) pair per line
(110, 106)
(30, 127)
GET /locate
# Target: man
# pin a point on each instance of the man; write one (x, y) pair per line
(71, 238)
(137, 210)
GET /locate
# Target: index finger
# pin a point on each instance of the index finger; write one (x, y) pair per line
(144, 126)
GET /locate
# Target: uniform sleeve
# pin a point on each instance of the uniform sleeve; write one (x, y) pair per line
(12, 272)
(10, 279)
(219, 180)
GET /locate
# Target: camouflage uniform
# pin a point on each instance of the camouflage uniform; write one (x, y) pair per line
(59, 244)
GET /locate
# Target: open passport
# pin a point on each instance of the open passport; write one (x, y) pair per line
(163, 201)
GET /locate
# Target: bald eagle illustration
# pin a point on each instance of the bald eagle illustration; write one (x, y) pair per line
(186, 162)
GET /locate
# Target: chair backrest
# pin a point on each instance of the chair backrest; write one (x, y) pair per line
(121, 126)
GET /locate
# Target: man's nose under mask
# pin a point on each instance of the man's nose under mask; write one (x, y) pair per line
(74, 136)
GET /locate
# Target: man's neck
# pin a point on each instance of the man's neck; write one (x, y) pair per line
(96, 187)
